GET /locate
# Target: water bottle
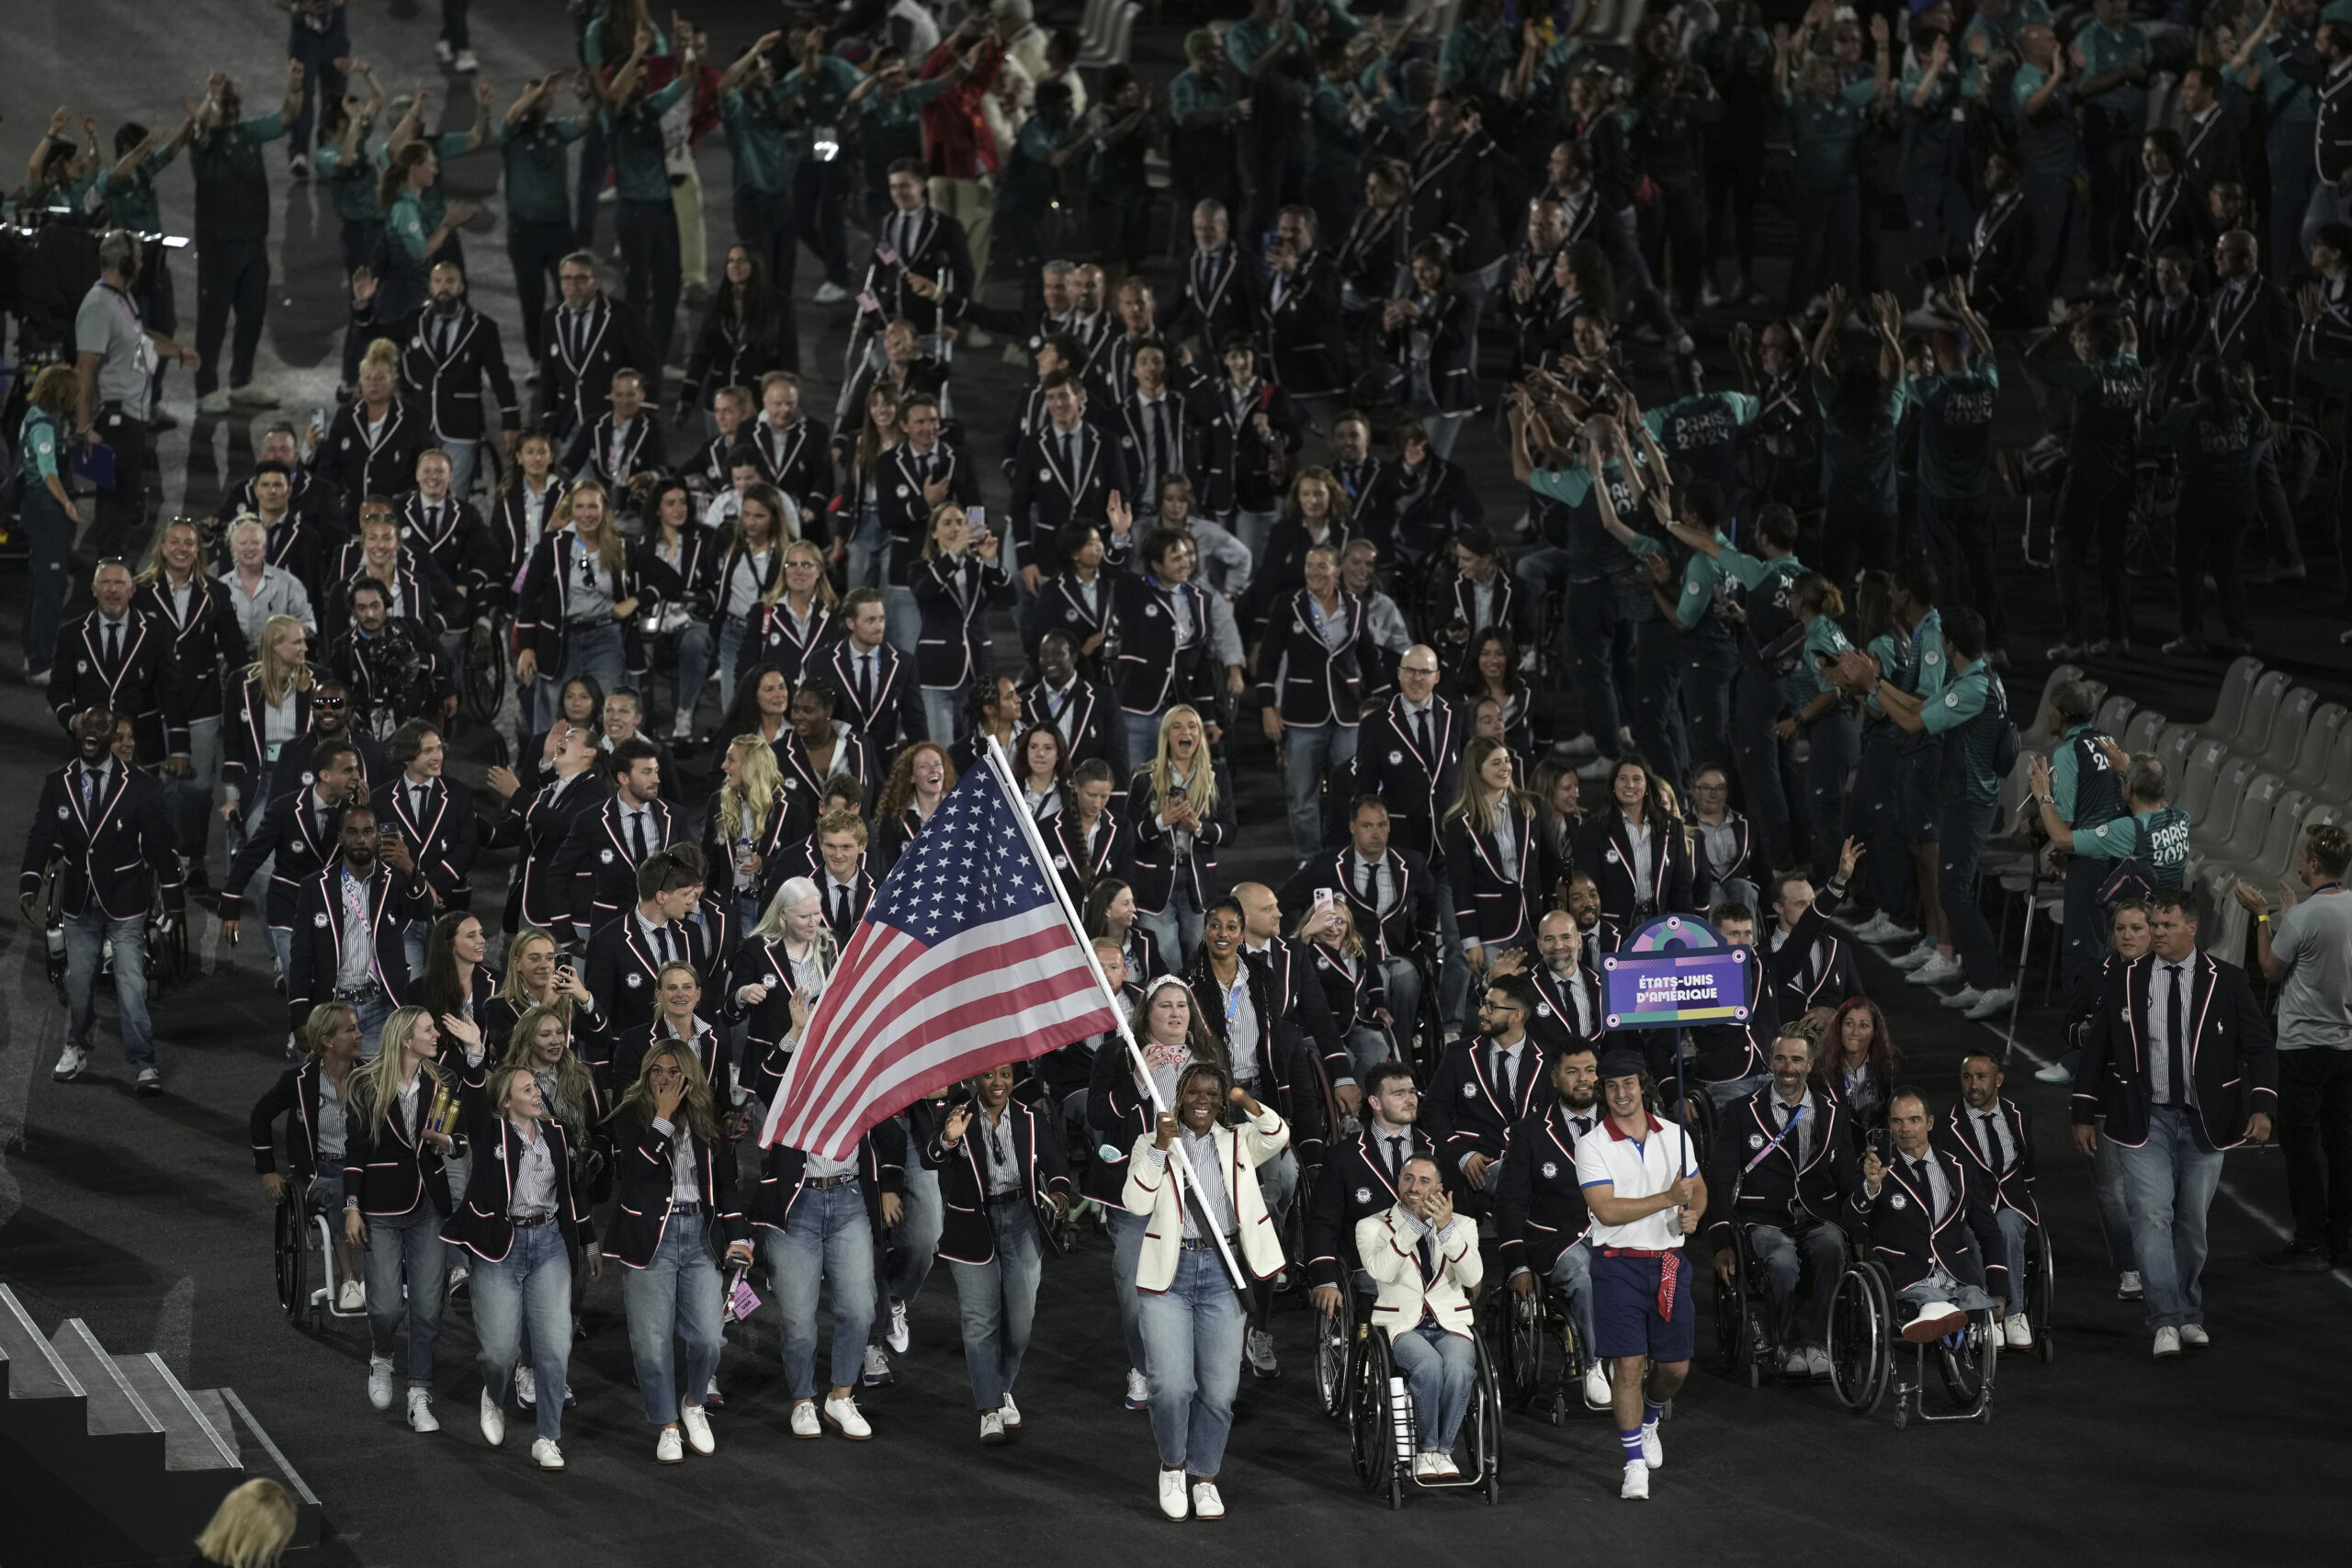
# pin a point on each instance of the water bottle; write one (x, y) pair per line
(1400, 1418)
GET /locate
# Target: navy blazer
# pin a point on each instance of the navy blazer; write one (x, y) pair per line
(1084, 859)
(149, 686)
(1901, 1232)
(542, 610)
(967, 1234)
(481, 1224)
(392, 1168)
(209, 642)
(2231, 1058)
(905, 513)
(1390, 763)
(107, 846)
(1049, 494)
(244, 721)
(1775, 1184)
(1304, 678)
(771, 636)
(597, 861)
(540, 824)
(1495, 895)
(1539, 1204)
(295, 1096)
(1958, 1135)
(316, 954)
(881, 1169)
(1634, 888)
(1412, 909)
(452, 536)
(1153, 862)
(304, 848)
(894, 719)
(443, 841)
(642, 1156)
(1464, 1112)
(1154, 672)
(953, 649)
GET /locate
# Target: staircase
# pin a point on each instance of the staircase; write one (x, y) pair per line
(107, 1458)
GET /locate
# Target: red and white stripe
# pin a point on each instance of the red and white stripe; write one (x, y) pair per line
(899, 1020)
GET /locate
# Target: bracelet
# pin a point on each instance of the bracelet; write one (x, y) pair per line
(2261, 919)
(2047, 799)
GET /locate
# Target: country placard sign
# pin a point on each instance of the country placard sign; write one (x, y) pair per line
(1675, 971)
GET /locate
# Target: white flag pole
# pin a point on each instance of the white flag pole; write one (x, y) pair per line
(1001, 768)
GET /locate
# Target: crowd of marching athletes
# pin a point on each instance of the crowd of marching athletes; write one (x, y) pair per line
(1370, 1065)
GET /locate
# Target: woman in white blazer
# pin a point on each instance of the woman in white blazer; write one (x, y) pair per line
(1425, 1261)
(1192, 1315)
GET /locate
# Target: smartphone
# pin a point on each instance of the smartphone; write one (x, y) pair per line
(977, 518)
(1323, 898)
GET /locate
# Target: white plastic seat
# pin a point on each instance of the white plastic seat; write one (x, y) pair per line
(2326, 728)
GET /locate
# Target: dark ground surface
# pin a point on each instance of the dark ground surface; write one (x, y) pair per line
(145, 1219)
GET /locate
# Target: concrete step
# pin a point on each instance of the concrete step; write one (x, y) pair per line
(262, 1455)
(191, 1440)
(33, 1369)
(115, 1408)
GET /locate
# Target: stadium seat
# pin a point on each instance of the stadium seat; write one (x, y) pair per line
(2336, 786)
(2310, 770)
(2261, 709)
(2172, 748)
(1117, 39)
(2287, 727)
(2140, 735)
(2251, 827)
(2193, 783)
(2213, 833)
(2114, 716)
(2229, 708)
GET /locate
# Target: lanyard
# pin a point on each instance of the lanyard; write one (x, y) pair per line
(1796, 1116)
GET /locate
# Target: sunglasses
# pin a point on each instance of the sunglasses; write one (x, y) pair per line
(331, 702)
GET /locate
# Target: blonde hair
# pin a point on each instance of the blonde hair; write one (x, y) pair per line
(573, 1079)
(1350, 944)
(153, 570)
(762, 783)
(694, 1111)
(251, 1527)
(56, 389)
(383, 355)
(376, 1086)
(1475, 804)
(612, 551)
(510, 984)
(321, 1022)
(1334, 492)
(823, 593)
(772, 920)
(1201, 788)
(275, 674)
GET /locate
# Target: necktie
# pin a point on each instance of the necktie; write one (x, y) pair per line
(114, 646)
(662, 942)
(865, 684)
(416, 802)
(1991, 1140)
(1428, 1250)
(1070, 459)
(1504, 1087)
(1427, 740)
(89, 789)
(637, 845)
(2176, 1052)
(1368, 886)
(1916, 1172)
(840, 906)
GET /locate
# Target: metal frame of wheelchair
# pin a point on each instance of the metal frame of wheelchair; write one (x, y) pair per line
(168, 961)
(1539, 1333)
(302, 1243)
(1353, 1365)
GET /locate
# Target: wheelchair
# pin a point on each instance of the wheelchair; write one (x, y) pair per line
(302, 1249)
(1867, 1341)
(1745, 1345)
(2040, 1294)
(1544, 1358)
(1379, 1410)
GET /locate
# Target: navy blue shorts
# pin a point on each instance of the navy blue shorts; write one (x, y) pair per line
(1624, 1308)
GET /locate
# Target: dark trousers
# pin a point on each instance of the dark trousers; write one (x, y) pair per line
(49, 539)
(231, 274)
(1709, 667)
(1675, 231)
(2086, 922)
(1760, 700)
(763, 227)
(2094, 511)
(1830, 239)
(1589, 631)
(651, 272)
(2209, 531)
(2270, 506)
(122, 511)
(819, 194)
(1878, 821)
(595, 167)
(453, 23)
(1837, 747)
(1657, 700)
(2112, 151)
(2294, 172)
(160, 309)
(2051, 200)
(1959, 534)
(535, 249)
(1731, 213)
(322, 83)
(1962, 829)
(2315, 1131)
(1278, 155)
(1853, 537)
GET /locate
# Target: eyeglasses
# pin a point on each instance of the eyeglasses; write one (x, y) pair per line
(1416, 669)
(331, 702)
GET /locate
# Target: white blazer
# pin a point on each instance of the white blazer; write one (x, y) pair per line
(1389, 1249)
(1151, 1191)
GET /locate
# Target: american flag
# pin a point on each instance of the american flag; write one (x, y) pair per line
(963, 960)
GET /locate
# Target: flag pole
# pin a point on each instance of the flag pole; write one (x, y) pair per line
(1000, 769)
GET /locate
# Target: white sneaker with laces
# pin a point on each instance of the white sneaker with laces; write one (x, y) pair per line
(1816, 1362)
(70, 1064)
(546, 1455)
(214, 401)
(1596, 1387)
(2167, 1343)
(150, 1080)
(669, 1448)
(899, 1337)
(1011, 1412)
(352, 1297)
(1175, 1502)
(992, 1428)
(2017, 1334)
(466, 63)
(1637, 1481)
(526, 1388)
(2053, 1073)
(843, 1415)
(379, 1382)
(420, 1411)
(877, 1368)
(1917, 956)
(1653, 1451)
(1138, 1391)
(1937, 971)
(1793, 1364)
(804, 1420)
(1259, 1352)
(831, 293)
(1441, 1466)
(442, 51)
(1992, 1003)
(2194, 1336)
(493, 1421)
(1962, 999)
(1206, 1504)
(698, 1429)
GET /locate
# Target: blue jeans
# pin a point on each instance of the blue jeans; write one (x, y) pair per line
(828, 1235)
(902, 621)
(1126, 1249)
(598, 650)
(1731, 1091)
(869, 551)
(912, 1245)
(1143, 737)
(1781, 1258)
(409, 1244)
(943, 713)
(731, 647)
(1311, 752)
(1572, 1273)
(463, 456)
(1278, 1184)
(691, 647)
(2171, 1179)
(372, 1010)
(677, 1293)
(1440, 1367)
(2114, 1203)
(1367, 1048)
(85, 936)
(998, 1300)
(1177, 928)
(533, 1281)
(1192, 1355)
(2014, 1231)
(50, 538)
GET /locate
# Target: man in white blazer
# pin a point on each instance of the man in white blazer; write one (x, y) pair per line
(1425, 1259)
(1192, 1318)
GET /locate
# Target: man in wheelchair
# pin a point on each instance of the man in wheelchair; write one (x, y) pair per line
(1424, 1259)
(1927, 1220)
(1540, 1212)
(1784, 1170)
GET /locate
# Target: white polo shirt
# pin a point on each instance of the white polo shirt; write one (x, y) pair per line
(1630, 1168)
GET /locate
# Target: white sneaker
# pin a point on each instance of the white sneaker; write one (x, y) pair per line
(1423, 1463)
(1874, 929)
(698, 1429)
(526, 1388)
(1938, 970)
(2127, 1286)
(1258, 1349)
(457, 1277)
(899, 1337)
(420, 1411)
(1441, 1466)
(466, 63)
(1793, 1364)
(1816, 1362)
(2192, 1335)
(1174, 1501)
(150, 1080)
(1596, 1387)
(1992, 1003)
(831, 293)
(804, 1420)
(2015, 1332)
(353, 1296)
(1011, 1412)
(1653, 1451)
(992, 1428)
(1206, 1504)
(877, 1368)
(252, 395)
(669, 1448)
(299, 166)
(493, 1421)
(844, 1414)
(1138, 1391)
(1917, 956)
(442, 51)
(1637, 1482)
(546, 1455)
(2055, 1073)
(70, 1064)
(1962, 999)
(379, 1382)
(214, 401)
(684, 729)
(2167, 1343)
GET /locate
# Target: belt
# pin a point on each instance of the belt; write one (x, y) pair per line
(1669, 1265)
(829, 1181)
(528, 1222)
(1200, 1243)
(678, 1207)
(1015, 1196)
(359, 993)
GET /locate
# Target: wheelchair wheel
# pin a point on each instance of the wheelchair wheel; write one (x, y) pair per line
(2040, 1291)
(483, 673)
(1860, 1328)
(290, 1256)
(1487, 1426)
(1967, 1370)
(1735, 1319)
(1334, 1341)
(1371, 1439)
(1524, 1348)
